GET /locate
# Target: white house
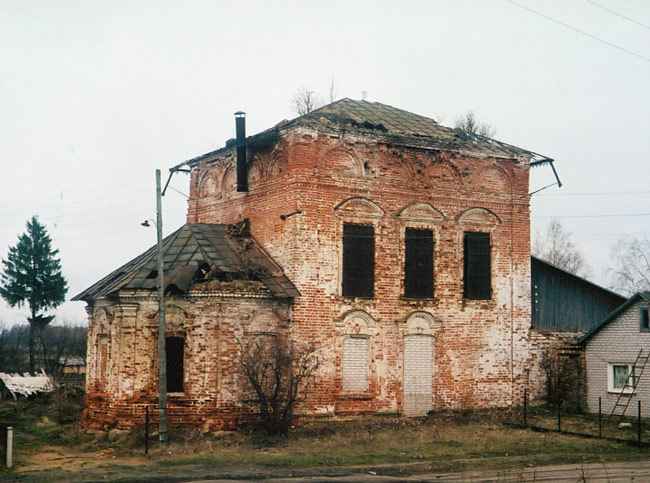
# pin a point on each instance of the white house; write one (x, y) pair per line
(617, 353)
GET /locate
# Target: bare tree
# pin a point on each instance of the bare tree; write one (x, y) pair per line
(631, 271)
(13, 348)
(470, 128)
(280, 373)
(332, 90)
(56, 345)
(555, 246)
(305, 101)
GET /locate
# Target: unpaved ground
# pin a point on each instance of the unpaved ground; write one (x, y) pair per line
(55, 464)
(71, 460)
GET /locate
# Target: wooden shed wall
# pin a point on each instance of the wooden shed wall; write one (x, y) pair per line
(563, 301)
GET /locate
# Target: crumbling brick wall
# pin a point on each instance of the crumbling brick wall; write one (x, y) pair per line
(551, 350)
(121, 384)
(480, 347)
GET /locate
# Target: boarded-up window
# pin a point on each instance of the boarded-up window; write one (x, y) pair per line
(175, 348)
(418, 264)
(418, 375)
(355, 364)
(358, 261)
(476, 268)
(102, 358)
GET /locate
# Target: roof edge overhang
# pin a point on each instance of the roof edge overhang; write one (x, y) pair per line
(618, 311)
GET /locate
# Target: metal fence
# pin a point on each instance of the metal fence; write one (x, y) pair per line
(555, 418)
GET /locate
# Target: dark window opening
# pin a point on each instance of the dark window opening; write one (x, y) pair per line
(358, 261)
(477, 274)
(202, 273)
(175, 347)
(645, 319)
(418, 264)
(152, 274)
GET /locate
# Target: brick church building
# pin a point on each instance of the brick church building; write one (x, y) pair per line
(397, 246)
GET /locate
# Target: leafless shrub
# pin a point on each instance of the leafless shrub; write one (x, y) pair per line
(564, 380)
(471, 129)
(280, 372)
(305, 101)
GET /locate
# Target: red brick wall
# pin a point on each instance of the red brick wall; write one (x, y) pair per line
(481, 348)
(211, 326)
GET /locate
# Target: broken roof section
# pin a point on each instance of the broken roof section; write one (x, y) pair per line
(377, 119)
(26, 385)
(229, 251)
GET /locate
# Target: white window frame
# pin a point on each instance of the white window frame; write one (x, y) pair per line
(610, 378)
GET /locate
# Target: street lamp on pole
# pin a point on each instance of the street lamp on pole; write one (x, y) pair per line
(162, 325)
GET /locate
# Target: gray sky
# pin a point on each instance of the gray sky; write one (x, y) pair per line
(94, 96)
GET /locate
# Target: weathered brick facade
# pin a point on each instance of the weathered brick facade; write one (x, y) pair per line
(324, 174)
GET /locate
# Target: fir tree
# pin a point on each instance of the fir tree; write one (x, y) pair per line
(32, 276)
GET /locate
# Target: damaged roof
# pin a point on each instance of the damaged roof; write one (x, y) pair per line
(374, 118)
(230, 248)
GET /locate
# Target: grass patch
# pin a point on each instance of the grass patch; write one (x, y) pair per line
(448, 441)
(454, 440)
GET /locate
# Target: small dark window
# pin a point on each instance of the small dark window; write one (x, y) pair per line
(175, 347)
(358, 261)
(644, 319)
(418, 264)
(476, 268)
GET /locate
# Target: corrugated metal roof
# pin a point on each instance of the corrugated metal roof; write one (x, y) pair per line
(191, 246)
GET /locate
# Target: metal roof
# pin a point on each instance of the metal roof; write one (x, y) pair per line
(375, 118)
(633, 299)
(233, 253)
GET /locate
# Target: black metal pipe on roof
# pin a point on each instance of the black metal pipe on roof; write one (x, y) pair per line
(242, 172)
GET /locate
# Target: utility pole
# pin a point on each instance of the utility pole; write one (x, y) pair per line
(162, 325)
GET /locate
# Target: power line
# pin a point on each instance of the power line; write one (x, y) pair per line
(620, 15)
(616, 215)
(603, 193)
(623, 49)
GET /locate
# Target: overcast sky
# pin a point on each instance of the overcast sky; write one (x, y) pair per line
(94, 96)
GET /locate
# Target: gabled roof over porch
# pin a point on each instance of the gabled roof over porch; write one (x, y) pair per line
(198, 253)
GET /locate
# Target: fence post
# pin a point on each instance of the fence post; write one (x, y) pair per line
(525, 407)
(600, 417)
(10, 446)
(559, 421)
(639, 428)
(146, 429)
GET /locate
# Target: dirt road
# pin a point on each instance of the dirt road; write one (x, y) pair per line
(138, 469)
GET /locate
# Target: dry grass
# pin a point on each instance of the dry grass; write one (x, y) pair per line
(448, 441)
(444, 441)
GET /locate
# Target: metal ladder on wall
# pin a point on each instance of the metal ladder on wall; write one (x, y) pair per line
(628, 389)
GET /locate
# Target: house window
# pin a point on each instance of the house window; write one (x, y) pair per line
(418, 264)
(355, 364)
(644, 320)
(358, 261)
(619, 378)
(476, 268)
(175, 348)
